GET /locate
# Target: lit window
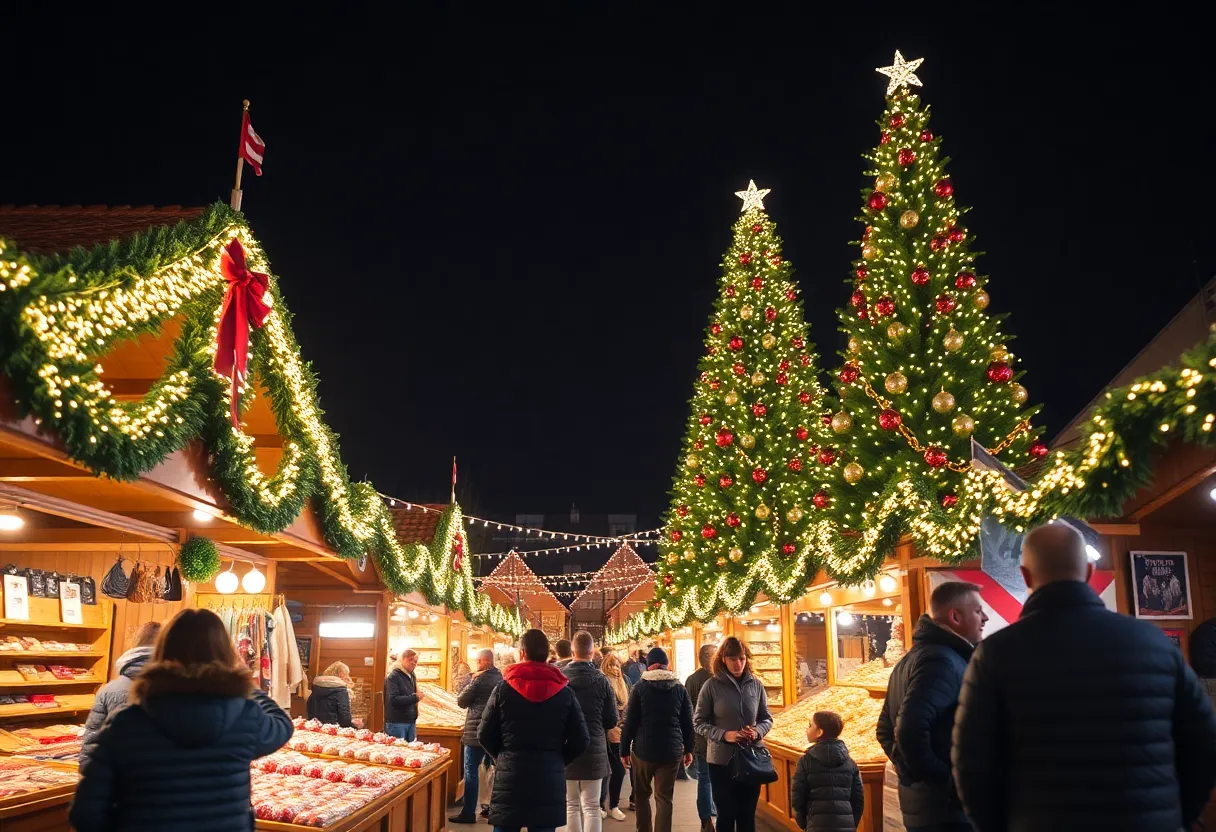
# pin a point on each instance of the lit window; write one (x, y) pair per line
(347, 629)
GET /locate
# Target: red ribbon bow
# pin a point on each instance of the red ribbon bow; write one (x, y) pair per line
(244, 305)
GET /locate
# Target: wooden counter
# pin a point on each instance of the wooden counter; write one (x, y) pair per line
(775, 797)
(449, 738)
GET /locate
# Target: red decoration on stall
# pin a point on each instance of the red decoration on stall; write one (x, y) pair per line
(729, 291)
(757, 228)
(862, 272)
(788, 548)
(937, 243)
(956, 234)
(926, 135)
(946, 303)
(245, 305)
(781, 378)
(770, 314)
(715, 328)
(1039, 449)
(682, 510)
(885, 306)
(906, 156)
(458, 552)
(739, 369)
(795, 465)
(699, 479)
(797, 342)
(804, 397)
(757, 283)
(949, 500)
(802, 433)
(708, 532)
(745, 258)
(858, 298)
(897, 120)
(735, 343)
(791, 295)
(676, 534)
(705, 419)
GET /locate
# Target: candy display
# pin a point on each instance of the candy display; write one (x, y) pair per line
(874, 673)
(318, 801)
(438, 708)
(29, 644)
(293, 763)
(856, 707)
(329, 740)
(21, 776)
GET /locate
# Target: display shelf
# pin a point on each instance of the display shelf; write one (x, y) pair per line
(51, 654)
(50, 625)
(69, 703)
(51, 683)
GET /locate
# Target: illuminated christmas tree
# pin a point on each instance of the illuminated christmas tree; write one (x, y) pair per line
(926, 369)
(752, 481)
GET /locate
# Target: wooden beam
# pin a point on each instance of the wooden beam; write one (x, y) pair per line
(1117, 529)
(331, 574)
(1173, 492)
(38, 470)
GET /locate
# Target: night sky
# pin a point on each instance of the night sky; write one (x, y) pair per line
(500, 233)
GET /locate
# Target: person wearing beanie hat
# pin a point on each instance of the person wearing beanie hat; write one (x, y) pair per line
(657, 739)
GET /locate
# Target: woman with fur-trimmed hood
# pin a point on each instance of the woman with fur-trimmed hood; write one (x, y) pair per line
(178, 757)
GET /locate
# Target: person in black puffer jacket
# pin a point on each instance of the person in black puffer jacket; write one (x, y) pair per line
(178, 756)
(586, 774)
(706, 811)
(329, 700)
(826, 793)
(401, 697)
(533, 728)
(657, 739)
(1075, 717)
(473, 699)
(918, 714)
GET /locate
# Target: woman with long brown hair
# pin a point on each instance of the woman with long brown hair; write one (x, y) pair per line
(178, 757)
(610, 797)
(732, 710)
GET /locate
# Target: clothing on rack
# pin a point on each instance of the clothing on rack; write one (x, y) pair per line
(286, 672)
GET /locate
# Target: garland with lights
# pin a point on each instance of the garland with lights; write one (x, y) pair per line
(60, 313)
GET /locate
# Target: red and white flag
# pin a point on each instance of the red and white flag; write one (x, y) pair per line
(252, 147)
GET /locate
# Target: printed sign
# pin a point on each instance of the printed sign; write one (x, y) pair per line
(1161, 585)
(69, 603)
(16, 597)
(1175, 635)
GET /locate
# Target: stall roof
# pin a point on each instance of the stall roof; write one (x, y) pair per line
(417, 524)
(624, 572)
(512, 577)
(47, 229)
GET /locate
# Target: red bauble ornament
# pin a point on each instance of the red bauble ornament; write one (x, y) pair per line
(821, 500)
(889, 419)
(708, 532)
(791, 295)
(885, 306)
(920, 276)
(682, 511)
(804, 397)
(949, 500)
(999, 372)
(784, 365)
(715, 384)
(943, 188)
(676, 534)
(788, 548)
(965, 280)
(770, 314)
(705, 419)
(848, 373)
(1039, 449)
(956, 234)
(938, 243)
(804, 360)
(826, 418)
(745, 258)
(699, 445)
(757, 228)
(926, 135)
(724, 438)
(458, 552)
(738, 369)
(797, 342)
(711, 349)
(897, 120)
(906, 156)
(865, 235)
(699, 479)
(795, 465)
(946, 303)
(759, 475)
(757, 283)
(704, 377)
(715, 329)
(935, 457)
(758, 410)
(862, 272)
(725, 481)
(877, 201)
(668, 580)
(732, 520)
(781, 378)
(735, 343)
(802, 433)
(863, 314)
(827, 456)
(729, 291)
(775, 260)
(884, 138)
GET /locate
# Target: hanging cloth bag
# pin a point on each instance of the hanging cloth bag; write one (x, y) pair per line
(116, 584)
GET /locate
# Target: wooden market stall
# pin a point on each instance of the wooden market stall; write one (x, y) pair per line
(512, 583)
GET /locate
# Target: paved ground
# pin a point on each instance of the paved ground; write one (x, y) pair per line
(685, 814)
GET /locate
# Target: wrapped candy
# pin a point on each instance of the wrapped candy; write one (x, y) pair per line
(364, 753)
(349, 752)
(397, 759)
(312, 770)
(312, 724)
(383, 739)
(347, 732)
(314, 747)
(291, 768)
(330, 729)
(298, 722)
(363, 734)
(379, 757)
(334, 773)
(330, 749)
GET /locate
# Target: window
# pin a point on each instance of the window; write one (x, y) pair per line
(347, 629)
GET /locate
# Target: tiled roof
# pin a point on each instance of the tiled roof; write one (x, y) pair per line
(46, 229)
(414, 525)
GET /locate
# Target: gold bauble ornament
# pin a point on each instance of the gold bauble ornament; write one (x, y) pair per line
(896, 383)
(999, 354)
(853, 345)
(896, 331)
(721, 562)
(768, 340)
(745, 312)
(909, 219)
(869, 252)
(673, 558)
(953, 341)
(963, 425)
(981, 300)
(943, 402)
(841, 422)
(731, 398)
(736, 554)
(758, 378)
(794, 515)
(675, 590)
(689, 554)
(747, 441)
(853, 473)
(693, 461)
(762, 512)
(1019, 394)
(885, 182)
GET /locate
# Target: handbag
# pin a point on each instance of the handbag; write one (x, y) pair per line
(751, 764)
(116, 584)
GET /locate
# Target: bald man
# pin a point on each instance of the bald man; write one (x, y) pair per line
(473, 699)
(1077, 718)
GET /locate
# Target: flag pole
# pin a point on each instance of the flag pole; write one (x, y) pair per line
(453, 480)
(235, 201)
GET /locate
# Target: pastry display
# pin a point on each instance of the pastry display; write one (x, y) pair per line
(29, 644)
(379, 748)
(764, 648)
(21, 776)
(317, 801)
(874, 673)
(438, 708)
(856, 707)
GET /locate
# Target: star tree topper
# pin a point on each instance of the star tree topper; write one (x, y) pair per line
(753, 197)
(901, 72)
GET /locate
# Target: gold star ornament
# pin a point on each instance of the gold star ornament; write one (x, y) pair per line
(753, 197)
(902, 73)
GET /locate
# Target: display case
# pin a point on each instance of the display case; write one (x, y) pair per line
(761, 630)
(869, 642)
(427, 632)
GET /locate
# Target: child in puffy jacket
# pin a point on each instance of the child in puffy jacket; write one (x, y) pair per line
(826, 792)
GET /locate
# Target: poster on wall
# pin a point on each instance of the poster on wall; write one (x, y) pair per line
(1175, 635)
(1161, 585)
(304, 645)
(16, 597)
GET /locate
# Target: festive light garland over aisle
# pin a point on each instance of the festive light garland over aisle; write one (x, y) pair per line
(63, 313)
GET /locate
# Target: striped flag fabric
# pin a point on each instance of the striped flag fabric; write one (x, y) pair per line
(253, 149)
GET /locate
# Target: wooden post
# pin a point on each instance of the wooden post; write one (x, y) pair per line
(789, 653)
(235, 201)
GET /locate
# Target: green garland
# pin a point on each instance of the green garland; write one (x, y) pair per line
(199, 559)
(60, 313)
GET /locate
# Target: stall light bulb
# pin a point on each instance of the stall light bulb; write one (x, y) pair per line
(227, 582)
(433, 618)
(201, 516)
(844, 618)
(868, 588)
(772, 628)
(413, 613)
(887, 584)
(10, 520)
(1092, 553)
(254, 581)
(887, 602)
(1212, 493)
(826, 598)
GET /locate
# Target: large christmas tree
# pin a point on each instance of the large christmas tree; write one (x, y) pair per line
(927, 368)
(751, 487)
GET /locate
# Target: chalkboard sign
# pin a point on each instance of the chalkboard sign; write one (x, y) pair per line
(1161, 585)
